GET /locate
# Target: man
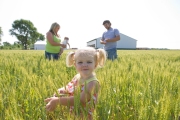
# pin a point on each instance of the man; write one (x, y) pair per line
(109, 39)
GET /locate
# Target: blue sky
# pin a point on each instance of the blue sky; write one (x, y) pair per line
(154, 23)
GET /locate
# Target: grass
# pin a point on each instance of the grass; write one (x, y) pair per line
(139, 85)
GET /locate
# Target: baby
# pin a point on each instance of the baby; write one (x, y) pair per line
(65, 42)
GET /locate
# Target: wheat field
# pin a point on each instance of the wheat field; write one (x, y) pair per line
(139, 85)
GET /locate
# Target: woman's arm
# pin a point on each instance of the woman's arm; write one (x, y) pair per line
(49, 37)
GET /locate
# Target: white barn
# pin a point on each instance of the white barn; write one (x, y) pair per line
(40, 45)
(125, 42)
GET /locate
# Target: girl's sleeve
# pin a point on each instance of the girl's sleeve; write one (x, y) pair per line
(62, 90)
(66, 89)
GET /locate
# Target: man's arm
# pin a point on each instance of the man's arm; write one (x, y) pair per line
(102, 42)
(117, 38)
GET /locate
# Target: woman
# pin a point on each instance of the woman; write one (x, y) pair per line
(53, 42)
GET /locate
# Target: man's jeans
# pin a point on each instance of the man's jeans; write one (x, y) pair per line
(112, 54)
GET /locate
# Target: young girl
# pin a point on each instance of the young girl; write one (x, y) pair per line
(82, 91)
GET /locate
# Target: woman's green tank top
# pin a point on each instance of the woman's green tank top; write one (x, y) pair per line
(53, 49)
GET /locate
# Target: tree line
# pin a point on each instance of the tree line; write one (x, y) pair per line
(26, 34)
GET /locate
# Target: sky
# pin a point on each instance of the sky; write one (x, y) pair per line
(153, 23)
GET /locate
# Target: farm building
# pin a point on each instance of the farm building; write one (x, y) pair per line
(125, 42)
(40, 45)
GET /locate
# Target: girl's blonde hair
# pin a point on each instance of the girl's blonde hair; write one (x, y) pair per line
(99, 56)
(53, 27)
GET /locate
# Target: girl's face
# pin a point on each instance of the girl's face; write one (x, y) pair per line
(85, 65)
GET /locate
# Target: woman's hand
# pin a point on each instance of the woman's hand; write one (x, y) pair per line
(52, 103)
(62, 45)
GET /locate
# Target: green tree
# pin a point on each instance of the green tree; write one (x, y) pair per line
(6, 44)
(25, 32)
(16, 45)
(41, 37)
(1, 34)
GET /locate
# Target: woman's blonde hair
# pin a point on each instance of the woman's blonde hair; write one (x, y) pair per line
(99, 56)
(53, 27)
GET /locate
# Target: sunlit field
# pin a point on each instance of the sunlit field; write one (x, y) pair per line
(139, 85)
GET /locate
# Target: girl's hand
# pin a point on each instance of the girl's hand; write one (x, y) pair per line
(62, 91)
(52, 103)
(54, 95)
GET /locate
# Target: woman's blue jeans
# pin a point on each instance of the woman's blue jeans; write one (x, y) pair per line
(54, 56)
